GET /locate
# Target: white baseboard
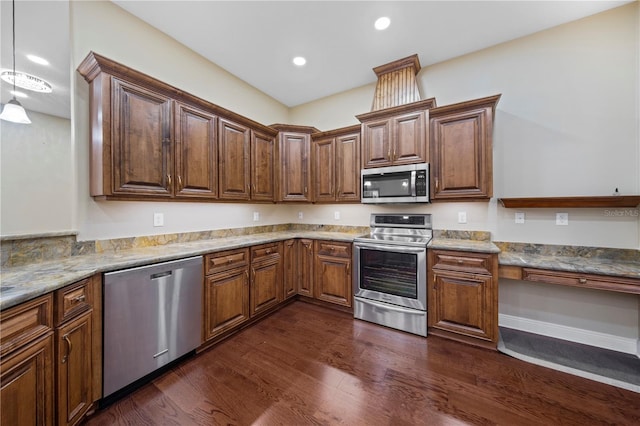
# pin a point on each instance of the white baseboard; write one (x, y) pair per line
(572, 334)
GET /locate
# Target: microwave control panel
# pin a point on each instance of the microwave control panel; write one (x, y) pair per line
(421, 183)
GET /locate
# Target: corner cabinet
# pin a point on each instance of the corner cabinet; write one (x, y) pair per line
(294, 164)
(395, 136)
(336, 165)
(461, 150)
(152, 141)
(462, 291)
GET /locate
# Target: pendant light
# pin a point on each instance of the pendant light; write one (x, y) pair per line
(13, 111)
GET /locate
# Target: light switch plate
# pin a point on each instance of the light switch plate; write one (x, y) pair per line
(562, 219)
(519, 217)
(336, 215)
(462, 217)
(300, 215)
(256, 216)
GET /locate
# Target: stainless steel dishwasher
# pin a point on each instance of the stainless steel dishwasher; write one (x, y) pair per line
(152, 316)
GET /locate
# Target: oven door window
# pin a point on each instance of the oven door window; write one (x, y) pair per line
(388, 185)
(389, 272)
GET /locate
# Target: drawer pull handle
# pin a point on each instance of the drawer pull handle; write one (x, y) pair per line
(460, 261)
(268, 251)
(582, 280)
(80, 298)
(229, 261)
(69, 348)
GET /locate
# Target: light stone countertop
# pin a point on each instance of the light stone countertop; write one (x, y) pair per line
(588, 265)
(22, 283)
(463, 245)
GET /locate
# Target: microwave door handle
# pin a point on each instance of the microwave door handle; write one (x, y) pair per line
(413, 183)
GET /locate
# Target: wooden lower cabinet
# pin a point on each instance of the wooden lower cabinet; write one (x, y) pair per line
(266, 277)
(463, 296)
(26, 395)
(332, 281)
(74, 369)
(226, 301)
(305, 267)
(290, 268)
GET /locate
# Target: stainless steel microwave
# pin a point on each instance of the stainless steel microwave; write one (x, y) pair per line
(396, 184)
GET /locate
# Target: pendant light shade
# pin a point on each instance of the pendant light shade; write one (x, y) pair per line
(14, 112)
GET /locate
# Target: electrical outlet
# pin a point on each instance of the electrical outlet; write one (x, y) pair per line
(336, 215)
(462, 217)
(300, 215)
(562, 219)
(256, 216)
(158, 219)
(519, 217)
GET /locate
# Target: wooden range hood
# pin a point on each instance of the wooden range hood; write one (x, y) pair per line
(397, 84)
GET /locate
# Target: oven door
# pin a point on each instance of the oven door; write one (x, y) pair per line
(389, 273)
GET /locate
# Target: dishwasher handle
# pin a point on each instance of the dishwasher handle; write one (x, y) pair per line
(160, 275)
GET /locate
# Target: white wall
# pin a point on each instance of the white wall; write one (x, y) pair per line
(110, 31)
(36, 176)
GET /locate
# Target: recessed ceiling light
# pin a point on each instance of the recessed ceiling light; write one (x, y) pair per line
(26, 81)
(37, 60)
(18, 94)
(299, 61)
(382, 23)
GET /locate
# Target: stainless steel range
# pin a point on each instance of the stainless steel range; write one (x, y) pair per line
(390, 277)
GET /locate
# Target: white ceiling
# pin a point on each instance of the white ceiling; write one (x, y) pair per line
(256, 40)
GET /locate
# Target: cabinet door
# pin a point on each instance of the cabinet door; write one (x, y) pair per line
(26, 393)
(462, 304)
(196, 153)
(348, 167)
(290, 268)
(234, 176)
(305, 265)
(324, 170)
(266, 286)
(141, 137)
(263, 157)
(461, 155)
(74, 373)
(333, 280)
(295, 181)
(409, 139)
(226, 301)
(376, 144)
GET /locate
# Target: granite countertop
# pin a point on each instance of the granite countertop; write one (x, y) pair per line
(22, 283)
(463, 245)
(580, 264)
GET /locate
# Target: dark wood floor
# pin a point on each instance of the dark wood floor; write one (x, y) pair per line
(309, 365)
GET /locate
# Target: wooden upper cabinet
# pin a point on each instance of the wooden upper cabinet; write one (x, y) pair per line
(348, 167)
(142, 145)
(396, 136)
(324, 166)
(294, 174)
(233, 141)
(196, 153)
(263, 163)
(461, 150)
(336, 165)
(150, 141)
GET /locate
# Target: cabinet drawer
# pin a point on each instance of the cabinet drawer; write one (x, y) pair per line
(333, 248)
(477, 263)
(24, 323)
(576, 279)
(72, 300)
(264, 252)
(224, 260)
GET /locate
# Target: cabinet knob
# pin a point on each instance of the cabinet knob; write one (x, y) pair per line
(268, 251)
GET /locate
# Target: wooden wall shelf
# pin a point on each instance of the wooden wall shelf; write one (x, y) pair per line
(620, 201)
